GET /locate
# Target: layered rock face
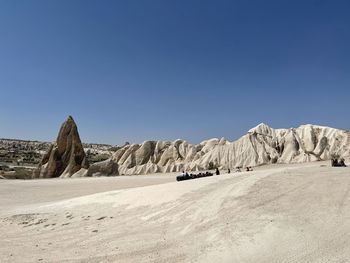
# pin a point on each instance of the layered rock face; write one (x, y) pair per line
(261, 145)
(66, 157)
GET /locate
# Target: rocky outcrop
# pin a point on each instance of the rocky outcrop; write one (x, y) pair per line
(66, 156)
(104, 168)
(261, 145)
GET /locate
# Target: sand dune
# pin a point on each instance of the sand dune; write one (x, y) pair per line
(281, 213)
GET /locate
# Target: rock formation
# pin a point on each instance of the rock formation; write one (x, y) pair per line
(261, 145)
(104, 168)
(66, 157)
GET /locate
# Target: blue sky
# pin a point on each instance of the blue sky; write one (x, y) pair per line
(139, 70)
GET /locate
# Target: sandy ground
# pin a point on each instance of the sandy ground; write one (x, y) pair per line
(284, 213)
(19, 193)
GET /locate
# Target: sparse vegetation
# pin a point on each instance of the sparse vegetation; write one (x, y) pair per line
(114, 148)
(22, 153)
(17, 173)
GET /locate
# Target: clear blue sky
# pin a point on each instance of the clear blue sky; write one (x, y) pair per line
(157, 69)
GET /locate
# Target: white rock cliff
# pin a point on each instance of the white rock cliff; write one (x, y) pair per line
(261, 145)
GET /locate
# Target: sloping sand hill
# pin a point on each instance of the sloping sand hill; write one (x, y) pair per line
(279, 213)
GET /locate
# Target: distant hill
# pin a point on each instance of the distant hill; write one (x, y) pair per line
(13, 151)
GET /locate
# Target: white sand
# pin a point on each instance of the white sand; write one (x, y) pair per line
(18, 193)
(284, 213)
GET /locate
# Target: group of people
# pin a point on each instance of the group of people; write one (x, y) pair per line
(335, 162)
(238, 169)
(186, 176)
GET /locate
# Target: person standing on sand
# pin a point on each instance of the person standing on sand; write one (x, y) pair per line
(228, 171)
(217, 171)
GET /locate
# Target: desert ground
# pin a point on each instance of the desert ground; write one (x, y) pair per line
(277, 213)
